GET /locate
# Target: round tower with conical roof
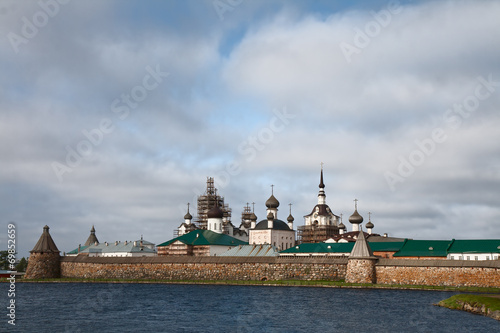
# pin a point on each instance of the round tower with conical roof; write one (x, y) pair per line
(44, 261)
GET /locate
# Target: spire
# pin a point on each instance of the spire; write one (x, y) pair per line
(361, 249)
(321, 184)
(321, 194)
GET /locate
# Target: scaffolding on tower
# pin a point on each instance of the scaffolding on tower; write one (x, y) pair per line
(207, 201)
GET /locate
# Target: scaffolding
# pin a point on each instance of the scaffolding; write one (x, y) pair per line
(207, 201)
(316, 233)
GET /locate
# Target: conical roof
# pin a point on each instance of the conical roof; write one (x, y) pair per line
(92, 238)
(361, 249)
(45, 244)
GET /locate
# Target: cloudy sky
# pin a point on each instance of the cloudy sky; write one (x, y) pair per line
(113, 114)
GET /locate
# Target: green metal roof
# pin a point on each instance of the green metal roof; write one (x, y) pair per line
(385, 246)
(205, 237)
(75, 251)
(320, 248)
(424, 248)
(475, 246)
(341, 247)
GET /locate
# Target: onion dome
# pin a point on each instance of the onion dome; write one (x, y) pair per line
(270, 216)
(369, 225)
(215, 213)
(342, 226)
(253, 217)
(290, 218)
(272, 202)
(355, 218)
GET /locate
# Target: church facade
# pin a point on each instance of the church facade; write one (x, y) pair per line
(321, 224)
(273, 231)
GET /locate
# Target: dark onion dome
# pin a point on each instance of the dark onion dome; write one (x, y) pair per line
(355, 218)
(270, 216)
(342, 226)
(253, 217)
(277, 225)
(188, 216)
(272, 202)
(369, 225)
(290, 218)
(215, 213)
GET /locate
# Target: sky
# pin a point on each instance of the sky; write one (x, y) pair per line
(114, 113)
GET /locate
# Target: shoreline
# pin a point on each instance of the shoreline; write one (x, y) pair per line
(279, 283)
(485, 305)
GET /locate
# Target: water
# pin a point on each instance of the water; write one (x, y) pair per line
(79, 307)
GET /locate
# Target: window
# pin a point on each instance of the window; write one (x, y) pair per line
(452, 258)
(468, 257)
(461, 257)
(487, 257)
(476, 258)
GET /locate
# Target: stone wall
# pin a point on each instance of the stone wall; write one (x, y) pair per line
(439, 272)
(43, 265)
(386, 271)
(361, 271)
(205, 268)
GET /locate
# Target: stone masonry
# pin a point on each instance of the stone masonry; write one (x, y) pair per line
(43, 265)
(204, 268)
(361, 271)
(439, 272)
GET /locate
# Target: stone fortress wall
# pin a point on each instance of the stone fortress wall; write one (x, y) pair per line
(204, 268)
(386, 271)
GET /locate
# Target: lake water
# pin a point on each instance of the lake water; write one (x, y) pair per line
(79, 307)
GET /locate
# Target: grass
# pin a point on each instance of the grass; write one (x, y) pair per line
(457, 301)
(311, 283)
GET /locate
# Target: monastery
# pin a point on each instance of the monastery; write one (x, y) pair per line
(211, 247)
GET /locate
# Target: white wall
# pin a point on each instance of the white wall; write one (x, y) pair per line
(472, 256)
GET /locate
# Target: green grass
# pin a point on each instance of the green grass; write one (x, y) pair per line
(457, 301)
(311, 283)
